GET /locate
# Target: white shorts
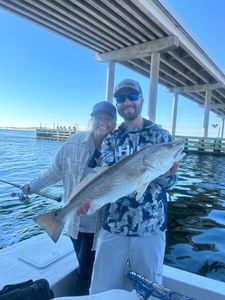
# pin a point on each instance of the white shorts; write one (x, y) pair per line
(145, 255)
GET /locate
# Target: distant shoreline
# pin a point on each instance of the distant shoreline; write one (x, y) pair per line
(19, 128)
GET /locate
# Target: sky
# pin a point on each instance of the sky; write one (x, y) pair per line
(49, 80)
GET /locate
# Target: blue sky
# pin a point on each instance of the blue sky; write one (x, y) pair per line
(45, 78)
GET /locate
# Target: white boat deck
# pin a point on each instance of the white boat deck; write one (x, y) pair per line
(38, 257)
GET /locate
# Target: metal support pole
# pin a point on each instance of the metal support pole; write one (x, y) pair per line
(206, 113)
(174, 113)
(153, 89)
(110, 81)
(222, 128)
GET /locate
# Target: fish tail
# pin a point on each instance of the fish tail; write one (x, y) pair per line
(52, 222)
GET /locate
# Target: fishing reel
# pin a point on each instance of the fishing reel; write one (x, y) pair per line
(22, 197)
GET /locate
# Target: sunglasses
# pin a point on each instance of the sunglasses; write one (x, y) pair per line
(134, 96)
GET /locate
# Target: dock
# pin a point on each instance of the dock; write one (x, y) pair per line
(202, 145)
(192, 144)
(59, 133)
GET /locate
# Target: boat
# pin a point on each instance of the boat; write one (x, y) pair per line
(39, 257)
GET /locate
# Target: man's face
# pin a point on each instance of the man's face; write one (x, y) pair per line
(131, 106)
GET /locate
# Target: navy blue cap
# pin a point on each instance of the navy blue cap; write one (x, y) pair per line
(104, 107)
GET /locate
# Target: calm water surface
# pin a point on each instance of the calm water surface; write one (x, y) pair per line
(196, 226)
(196, 221)
(22, 158)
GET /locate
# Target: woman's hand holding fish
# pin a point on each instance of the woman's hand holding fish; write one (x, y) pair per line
(83, 209)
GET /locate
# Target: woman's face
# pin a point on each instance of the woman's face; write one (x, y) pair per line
(103, 124)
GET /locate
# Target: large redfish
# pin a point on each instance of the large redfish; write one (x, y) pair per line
(132, 173)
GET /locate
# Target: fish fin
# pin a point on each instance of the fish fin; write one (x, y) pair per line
(140, 190)
(87, 178)
(52, 223)
(142, 185)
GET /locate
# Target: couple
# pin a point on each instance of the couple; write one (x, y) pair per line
(131, 232)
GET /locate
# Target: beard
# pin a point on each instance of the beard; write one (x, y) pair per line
(130, 112)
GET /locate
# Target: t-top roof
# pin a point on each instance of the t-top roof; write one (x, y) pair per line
(111, 28)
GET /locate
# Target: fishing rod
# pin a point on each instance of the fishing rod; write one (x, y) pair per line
(24, 198)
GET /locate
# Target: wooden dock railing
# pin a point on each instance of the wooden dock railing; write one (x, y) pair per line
(56, 134)
(193, 144)
(202, 145)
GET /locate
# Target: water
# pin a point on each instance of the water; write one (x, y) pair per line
(22, 158)
(196, 222)
(196, 225)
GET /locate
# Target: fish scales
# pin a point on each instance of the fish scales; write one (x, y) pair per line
(105, 181)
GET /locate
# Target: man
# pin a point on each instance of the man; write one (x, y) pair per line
(132, 231)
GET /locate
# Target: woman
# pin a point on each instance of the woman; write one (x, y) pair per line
(73, 162)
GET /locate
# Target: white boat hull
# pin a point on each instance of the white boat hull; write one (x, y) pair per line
(108, 295)
(38, 257)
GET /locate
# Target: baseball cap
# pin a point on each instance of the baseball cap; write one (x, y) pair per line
(127, 84)
(104, 107)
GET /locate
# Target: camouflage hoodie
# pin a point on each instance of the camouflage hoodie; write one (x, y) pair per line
(127, 216)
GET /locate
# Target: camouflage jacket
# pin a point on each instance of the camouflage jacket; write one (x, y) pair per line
(127, 216)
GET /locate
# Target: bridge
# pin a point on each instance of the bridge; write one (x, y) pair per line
(141, 35)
